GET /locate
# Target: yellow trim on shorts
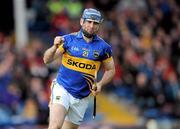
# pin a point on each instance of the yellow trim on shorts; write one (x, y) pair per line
(80, 64)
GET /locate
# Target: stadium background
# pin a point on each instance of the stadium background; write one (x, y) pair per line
(145, 37)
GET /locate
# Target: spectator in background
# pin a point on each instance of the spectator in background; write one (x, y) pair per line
(6, 67)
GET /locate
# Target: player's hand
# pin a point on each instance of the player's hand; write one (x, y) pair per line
(96, 89)
(58, 40)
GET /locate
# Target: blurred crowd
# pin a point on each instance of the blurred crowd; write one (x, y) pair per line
(144, 35)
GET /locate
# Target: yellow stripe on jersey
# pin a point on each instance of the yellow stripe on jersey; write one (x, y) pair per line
(89, 80)
(108, 59)
(80, 64)
(61, 49)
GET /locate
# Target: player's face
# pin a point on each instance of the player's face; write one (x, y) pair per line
(90, 26)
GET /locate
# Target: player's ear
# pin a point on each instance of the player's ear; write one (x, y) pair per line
(81, 21)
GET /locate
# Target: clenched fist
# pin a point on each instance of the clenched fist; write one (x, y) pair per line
(58, 40)
(96, 88)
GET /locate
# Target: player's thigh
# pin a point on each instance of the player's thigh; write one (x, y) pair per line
(57, 115)
(58, 105)
(77, 110)
(69, 125)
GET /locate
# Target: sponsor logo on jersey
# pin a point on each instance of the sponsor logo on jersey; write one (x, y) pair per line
(81, 65)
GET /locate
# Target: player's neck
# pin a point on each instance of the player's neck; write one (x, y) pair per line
(87, 39)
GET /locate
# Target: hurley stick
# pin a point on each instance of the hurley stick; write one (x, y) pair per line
(95, 88)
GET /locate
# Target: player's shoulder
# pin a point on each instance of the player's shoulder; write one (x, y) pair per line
(103, 42)
(70, 36)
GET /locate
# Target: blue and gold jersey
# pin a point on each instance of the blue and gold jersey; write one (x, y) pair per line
(80, 63)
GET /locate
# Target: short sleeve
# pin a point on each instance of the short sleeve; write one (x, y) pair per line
(63, 47)
(107, 54)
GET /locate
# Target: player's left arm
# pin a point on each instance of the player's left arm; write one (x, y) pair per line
(107, 76)
(109, 72)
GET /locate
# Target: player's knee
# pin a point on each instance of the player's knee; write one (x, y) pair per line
(54, 125)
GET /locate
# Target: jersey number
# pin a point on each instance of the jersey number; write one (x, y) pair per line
(85, 53)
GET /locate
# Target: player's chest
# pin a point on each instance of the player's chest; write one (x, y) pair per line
(84, 50)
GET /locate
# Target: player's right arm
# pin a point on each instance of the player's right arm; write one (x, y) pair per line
(53, 52)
